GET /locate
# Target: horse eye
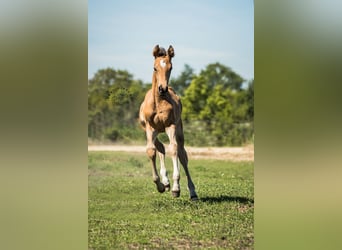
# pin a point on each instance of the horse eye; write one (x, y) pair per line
(154, 69)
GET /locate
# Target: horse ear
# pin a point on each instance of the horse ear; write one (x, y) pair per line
(171, 51)
(156, 51)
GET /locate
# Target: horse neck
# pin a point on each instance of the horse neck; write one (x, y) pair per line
(156, 97)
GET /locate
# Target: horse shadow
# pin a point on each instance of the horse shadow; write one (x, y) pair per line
(226, 198)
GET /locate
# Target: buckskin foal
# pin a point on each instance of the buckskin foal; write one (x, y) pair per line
(161, 112)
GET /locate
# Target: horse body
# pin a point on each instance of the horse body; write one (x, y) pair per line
(161, 112)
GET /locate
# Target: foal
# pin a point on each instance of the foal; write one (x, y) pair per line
(161, 112)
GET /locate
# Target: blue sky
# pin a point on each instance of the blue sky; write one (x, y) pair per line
(122, 34)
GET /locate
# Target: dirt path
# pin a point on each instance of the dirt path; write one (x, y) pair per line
(227, 153)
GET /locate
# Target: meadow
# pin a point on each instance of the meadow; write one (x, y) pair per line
(125, 211)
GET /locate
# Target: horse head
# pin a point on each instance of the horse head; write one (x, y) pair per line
(162, 67)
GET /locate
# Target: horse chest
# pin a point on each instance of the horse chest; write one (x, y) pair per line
(162, 114)
(163, 117)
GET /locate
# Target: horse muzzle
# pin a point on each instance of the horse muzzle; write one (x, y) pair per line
(163, 91)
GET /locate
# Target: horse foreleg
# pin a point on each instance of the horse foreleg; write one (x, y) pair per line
(163, 173)
(171, 132)
(151, 152)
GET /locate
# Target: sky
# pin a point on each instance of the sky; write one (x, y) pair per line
(123, 33)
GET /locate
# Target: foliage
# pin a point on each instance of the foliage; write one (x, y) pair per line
(216, 104)
(182, 82)
(113, 105)
(126, 211)
(217, 111)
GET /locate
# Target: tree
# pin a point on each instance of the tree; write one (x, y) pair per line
(195, 96)
(217, 111)
(216, 107)
(250, 100)
(182, 82)
(218, 74)
(113, 103)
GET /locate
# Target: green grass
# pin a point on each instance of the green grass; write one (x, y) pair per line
(127, 212)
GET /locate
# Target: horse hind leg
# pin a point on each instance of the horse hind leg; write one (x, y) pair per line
(183, 158)
(163, 172)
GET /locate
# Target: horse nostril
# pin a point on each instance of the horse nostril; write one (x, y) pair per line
(161, 90)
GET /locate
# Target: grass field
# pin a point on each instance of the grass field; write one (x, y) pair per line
(125, 211)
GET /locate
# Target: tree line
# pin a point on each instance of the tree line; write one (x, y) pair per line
(218, 106)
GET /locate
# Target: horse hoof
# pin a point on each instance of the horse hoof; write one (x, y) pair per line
(167, 187)
(161, 188)
(194, 198)
(175, 194)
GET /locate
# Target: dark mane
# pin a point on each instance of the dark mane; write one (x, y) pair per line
(161, 52)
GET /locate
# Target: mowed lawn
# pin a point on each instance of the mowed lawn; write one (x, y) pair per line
(125, 211)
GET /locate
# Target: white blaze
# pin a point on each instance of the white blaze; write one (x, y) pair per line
(162, 63)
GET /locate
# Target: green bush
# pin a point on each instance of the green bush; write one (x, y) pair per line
(217, 111)
(112, 134)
